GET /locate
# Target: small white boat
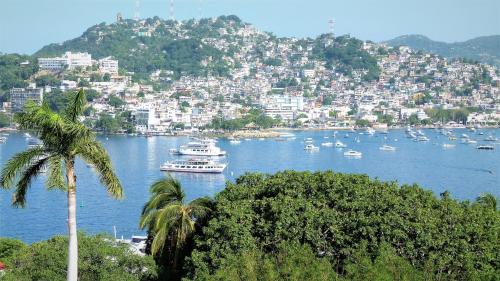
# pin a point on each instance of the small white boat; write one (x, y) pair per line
(3, 140)
(339, 144)
(327, 144)
(173, 151)
(325, 137)
(235, 141)
(311, 147)
(261, 139)
(27, 135)
(448, 145)
(353, 153)
(387, 148)
(193, 166)
(422, 138)
(469, 141)
(370, 131)
(490, 138)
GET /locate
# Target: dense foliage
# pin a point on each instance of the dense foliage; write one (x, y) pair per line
(484, 49)
(346, 54)
(14, 71)
(353, 221)
(254, 117)
(141, 53)
(99, 260)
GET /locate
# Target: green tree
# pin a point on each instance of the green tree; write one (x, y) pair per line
(115, 101)
(64, 139)
(9, 246)
(4, 120)
(292, 262)
(100, 259)
(170, 220)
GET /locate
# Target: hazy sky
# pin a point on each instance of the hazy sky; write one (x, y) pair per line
(27, 25)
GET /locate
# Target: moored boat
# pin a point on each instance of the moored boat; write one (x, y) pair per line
(387, 148)
(353, 153)
(193, 166)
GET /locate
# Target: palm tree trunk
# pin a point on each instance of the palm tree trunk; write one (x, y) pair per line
(73, 240)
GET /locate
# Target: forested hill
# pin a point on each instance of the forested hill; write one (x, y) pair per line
(485, 49)
(210, 46)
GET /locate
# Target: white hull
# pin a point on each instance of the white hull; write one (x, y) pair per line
(196, 153)
(199, 169)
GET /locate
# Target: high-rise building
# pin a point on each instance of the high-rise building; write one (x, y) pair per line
(20, 96)
(108, 65)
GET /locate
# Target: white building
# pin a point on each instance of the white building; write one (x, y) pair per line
(69, 60)
(20, 96)
(285, 106)
(108, 65)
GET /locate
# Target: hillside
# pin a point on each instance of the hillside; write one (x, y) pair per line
(484, 49)
(207, 46)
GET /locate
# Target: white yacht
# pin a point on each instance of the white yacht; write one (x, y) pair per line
(137, 244)
(386, 147)
(353, 153)
(311, 147)
(448, 145)
(235, 141)
(193, 166)
(327, 144)
(469, 141)
(340, 144)
(205, 147)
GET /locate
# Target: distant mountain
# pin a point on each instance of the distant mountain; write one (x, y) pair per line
(485, 49)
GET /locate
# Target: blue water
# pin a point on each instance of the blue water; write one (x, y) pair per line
(464, 171)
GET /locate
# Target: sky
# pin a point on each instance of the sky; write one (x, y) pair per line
(28, 25)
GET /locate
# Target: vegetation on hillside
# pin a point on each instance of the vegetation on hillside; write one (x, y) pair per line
(484, 49)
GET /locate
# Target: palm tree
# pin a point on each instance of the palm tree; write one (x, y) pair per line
(170, 220)
(63, 138)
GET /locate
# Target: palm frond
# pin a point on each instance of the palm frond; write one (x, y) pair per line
(93, 153)
(18, 163)
(159, 240)
(76, 106)
(55, 178)
(201, 208)
(24, 183)
(170, 186)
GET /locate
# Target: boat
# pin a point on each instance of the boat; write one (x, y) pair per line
(422, 138)
(173, 151)
(33, 143)
(370, 131)
(469, 141)
(137, 244)
(235, 141)
(448, 145)
(202, 147)
(327, 144)
(465, 136)
(3, 140)
(248, 139)
(353, 153)
(490, 138)
(485, 147)
(311, 147)
(387, 148)
(193, 166)
(339, 144)
(27, 135)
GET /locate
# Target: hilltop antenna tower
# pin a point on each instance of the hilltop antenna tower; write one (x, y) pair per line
(172, 10)
(331, 25)
(136, 13)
